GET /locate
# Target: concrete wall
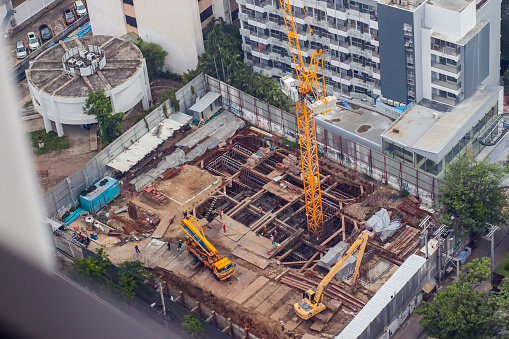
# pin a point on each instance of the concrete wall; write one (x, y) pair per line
(392, 51)
(452, 23)
(176, 26)
(107, 17)
(491, 12)
(475, 53)
(28, 8)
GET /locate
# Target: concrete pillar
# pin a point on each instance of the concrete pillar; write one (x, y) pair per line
(60, 129)
(58, 124)
(47, 124)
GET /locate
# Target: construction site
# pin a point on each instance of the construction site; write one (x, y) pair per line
(248, 196)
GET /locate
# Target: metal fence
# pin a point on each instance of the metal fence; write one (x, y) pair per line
(64, 195)
(335, 147)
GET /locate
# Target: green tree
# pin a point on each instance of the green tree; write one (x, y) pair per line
(192, 325)
(126, 286)
(154, 56)
(502, 301)
(99, 104)
(473, 195)
(93, 268)
(461, 311)
(476, 272)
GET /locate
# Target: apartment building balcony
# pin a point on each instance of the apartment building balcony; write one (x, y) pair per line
(447, 101)
(358, 67)
(245, 32)
(456, 87)
(259, 37)
(446, 50)
(320, 23)
(243, 16)
(267, 70)
(274, 41)
(260, 54)
(247, 48)
(352, 32)
(447, 68)
(241, 2)
(272, 25)
(363, 52)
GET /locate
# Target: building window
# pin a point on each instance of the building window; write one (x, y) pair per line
(206, 14)
(131, 21)
(128, 2)
(235, 14)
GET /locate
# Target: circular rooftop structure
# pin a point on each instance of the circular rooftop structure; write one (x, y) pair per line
(61, 78)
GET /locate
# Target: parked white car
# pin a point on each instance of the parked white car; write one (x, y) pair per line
(80, 8)
(21, 50)
(33, 41)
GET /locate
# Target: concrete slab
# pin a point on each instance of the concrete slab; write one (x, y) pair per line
(251, 258)
(250, 290)
(232, 234)
(221, 240)
(232, 223)
(261, 296)
(274, 299)
(262, 241)
(79, 139)
(161, 229)
(152, 260)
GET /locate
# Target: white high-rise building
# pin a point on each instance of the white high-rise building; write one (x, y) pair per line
(176, 25)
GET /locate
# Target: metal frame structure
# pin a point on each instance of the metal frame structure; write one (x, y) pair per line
(309, 83)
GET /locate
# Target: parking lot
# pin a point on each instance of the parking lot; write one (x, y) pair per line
(53, 18)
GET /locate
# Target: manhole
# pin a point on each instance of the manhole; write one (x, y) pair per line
(363, 128)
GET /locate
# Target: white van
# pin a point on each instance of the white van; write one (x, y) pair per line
(80, 8)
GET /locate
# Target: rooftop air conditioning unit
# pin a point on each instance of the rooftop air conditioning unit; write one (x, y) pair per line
(95, 62)
(83, 54)
(80, 64)
(71, 62)
(404, 3)
(91, 56)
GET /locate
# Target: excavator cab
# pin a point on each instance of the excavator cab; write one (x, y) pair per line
(308, 307)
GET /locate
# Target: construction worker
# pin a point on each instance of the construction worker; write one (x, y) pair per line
(265, 228)
(171, 220)
(260, 209)
(282, 326)
(180, 245)
(185, 214)
(224, 228)
(272, 238)
(169, 246)
(221, 214)
(136, 248)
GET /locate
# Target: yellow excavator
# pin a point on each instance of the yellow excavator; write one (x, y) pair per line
(312, 304)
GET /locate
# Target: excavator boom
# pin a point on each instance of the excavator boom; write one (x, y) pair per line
(312, 303)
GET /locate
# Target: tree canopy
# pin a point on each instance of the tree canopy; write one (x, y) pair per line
(99, 104)
(93, 268)
(461, 311)
(192, 325)
(154, 56)
(473, 195)
(223, 60)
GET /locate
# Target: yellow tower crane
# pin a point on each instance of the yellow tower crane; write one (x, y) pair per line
(310, 83)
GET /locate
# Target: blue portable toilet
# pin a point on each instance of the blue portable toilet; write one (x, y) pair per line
(105, 191)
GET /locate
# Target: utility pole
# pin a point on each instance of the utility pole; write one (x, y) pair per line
(160, 290)
(424, 226)
(438, 236)
(491, 237)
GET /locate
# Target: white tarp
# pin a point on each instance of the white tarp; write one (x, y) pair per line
(381, 223)
(149, 142)
(209, 136)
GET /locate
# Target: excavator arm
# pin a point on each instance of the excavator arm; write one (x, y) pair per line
(360, 242)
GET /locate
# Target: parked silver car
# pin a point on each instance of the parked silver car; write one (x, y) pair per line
(33, 41)
(21, 50)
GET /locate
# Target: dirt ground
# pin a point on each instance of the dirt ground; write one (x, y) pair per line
(188, 183)
(59, 165)
(160, 86)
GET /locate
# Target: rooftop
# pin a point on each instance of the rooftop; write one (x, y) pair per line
(452, 5)
(122, 61)
(419, 129)
(363, 122)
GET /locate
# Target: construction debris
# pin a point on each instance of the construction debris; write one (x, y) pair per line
(155, 195)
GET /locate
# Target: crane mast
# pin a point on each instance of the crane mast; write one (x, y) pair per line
(309, 84)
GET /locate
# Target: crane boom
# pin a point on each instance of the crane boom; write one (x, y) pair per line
(309, 84)
(312, 303)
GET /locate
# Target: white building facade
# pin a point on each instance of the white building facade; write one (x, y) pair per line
(176, 25)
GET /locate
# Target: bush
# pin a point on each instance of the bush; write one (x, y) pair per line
(404, 193)
(52, 142)
(140, 116)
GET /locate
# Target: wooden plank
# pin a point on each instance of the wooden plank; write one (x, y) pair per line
(317, 326)
(257, 239)
(251, 289)
(251, 258)
(274, 299)
(261, 296)
(286, 308)
(161, 229)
